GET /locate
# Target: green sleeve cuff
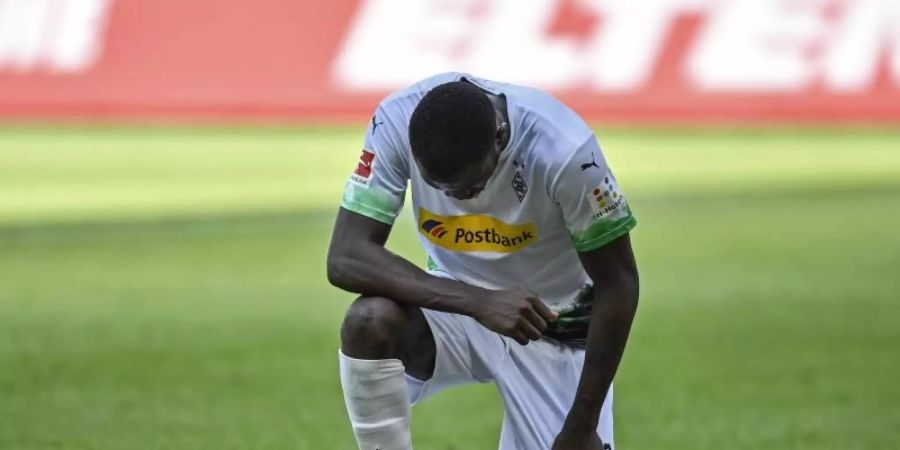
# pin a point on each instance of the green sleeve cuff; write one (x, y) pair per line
(370, 203)
(369, 212)
(602, 233)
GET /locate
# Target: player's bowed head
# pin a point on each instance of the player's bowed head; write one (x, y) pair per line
(456, 134)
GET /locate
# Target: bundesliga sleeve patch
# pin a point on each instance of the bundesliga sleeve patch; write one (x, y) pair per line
(364, 169)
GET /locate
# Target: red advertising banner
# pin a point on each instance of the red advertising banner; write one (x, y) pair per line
(623, 60)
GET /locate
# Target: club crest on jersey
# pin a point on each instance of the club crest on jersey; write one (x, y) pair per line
(475, 233)
(364, 169)
(519, 186)
(605, 199)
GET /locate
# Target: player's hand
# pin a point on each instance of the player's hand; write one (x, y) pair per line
(573, 440)
(517, 314)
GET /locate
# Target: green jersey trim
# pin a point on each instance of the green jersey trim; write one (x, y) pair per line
(370, 203)
(602, 233)
(432, 266)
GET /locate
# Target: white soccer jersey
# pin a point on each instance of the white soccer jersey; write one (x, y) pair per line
(552, 195)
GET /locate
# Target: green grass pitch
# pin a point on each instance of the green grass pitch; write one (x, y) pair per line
(164, 288)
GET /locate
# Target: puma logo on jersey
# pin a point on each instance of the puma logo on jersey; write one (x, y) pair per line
(593, 163)
(375, 124)
(475, 233)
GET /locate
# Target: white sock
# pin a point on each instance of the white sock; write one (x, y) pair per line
(377, 401)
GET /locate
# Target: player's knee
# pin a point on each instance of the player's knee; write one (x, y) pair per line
(371, 328)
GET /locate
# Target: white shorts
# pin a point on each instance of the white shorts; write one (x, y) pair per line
(537, 381)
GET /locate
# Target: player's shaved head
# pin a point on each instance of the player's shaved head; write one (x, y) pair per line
(453, 129)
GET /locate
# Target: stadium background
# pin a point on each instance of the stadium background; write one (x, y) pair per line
(170, 170)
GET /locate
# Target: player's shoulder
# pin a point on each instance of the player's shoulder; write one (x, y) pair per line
(546, 114)
(551, 131)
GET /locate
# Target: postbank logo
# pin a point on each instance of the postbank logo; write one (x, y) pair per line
(475, 233)
(434, 228)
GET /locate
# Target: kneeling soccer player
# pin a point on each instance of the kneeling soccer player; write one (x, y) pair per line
(530, 283)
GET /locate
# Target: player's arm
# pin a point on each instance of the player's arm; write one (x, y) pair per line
(358, 262)
(614, 273)
(599, 219)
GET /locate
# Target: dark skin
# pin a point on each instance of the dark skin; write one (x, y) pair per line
(473, 180)
(359, 262)
(614, 273)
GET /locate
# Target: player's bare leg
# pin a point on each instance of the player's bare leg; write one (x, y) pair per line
(380, 341)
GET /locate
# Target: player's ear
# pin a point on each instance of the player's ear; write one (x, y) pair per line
(502, 134)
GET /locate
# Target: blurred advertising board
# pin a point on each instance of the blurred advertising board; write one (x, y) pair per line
(615, 60)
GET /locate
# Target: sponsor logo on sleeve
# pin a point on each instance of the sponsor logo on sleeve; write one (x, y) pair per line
(475, 233)
(606, 199)
(364, 169)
